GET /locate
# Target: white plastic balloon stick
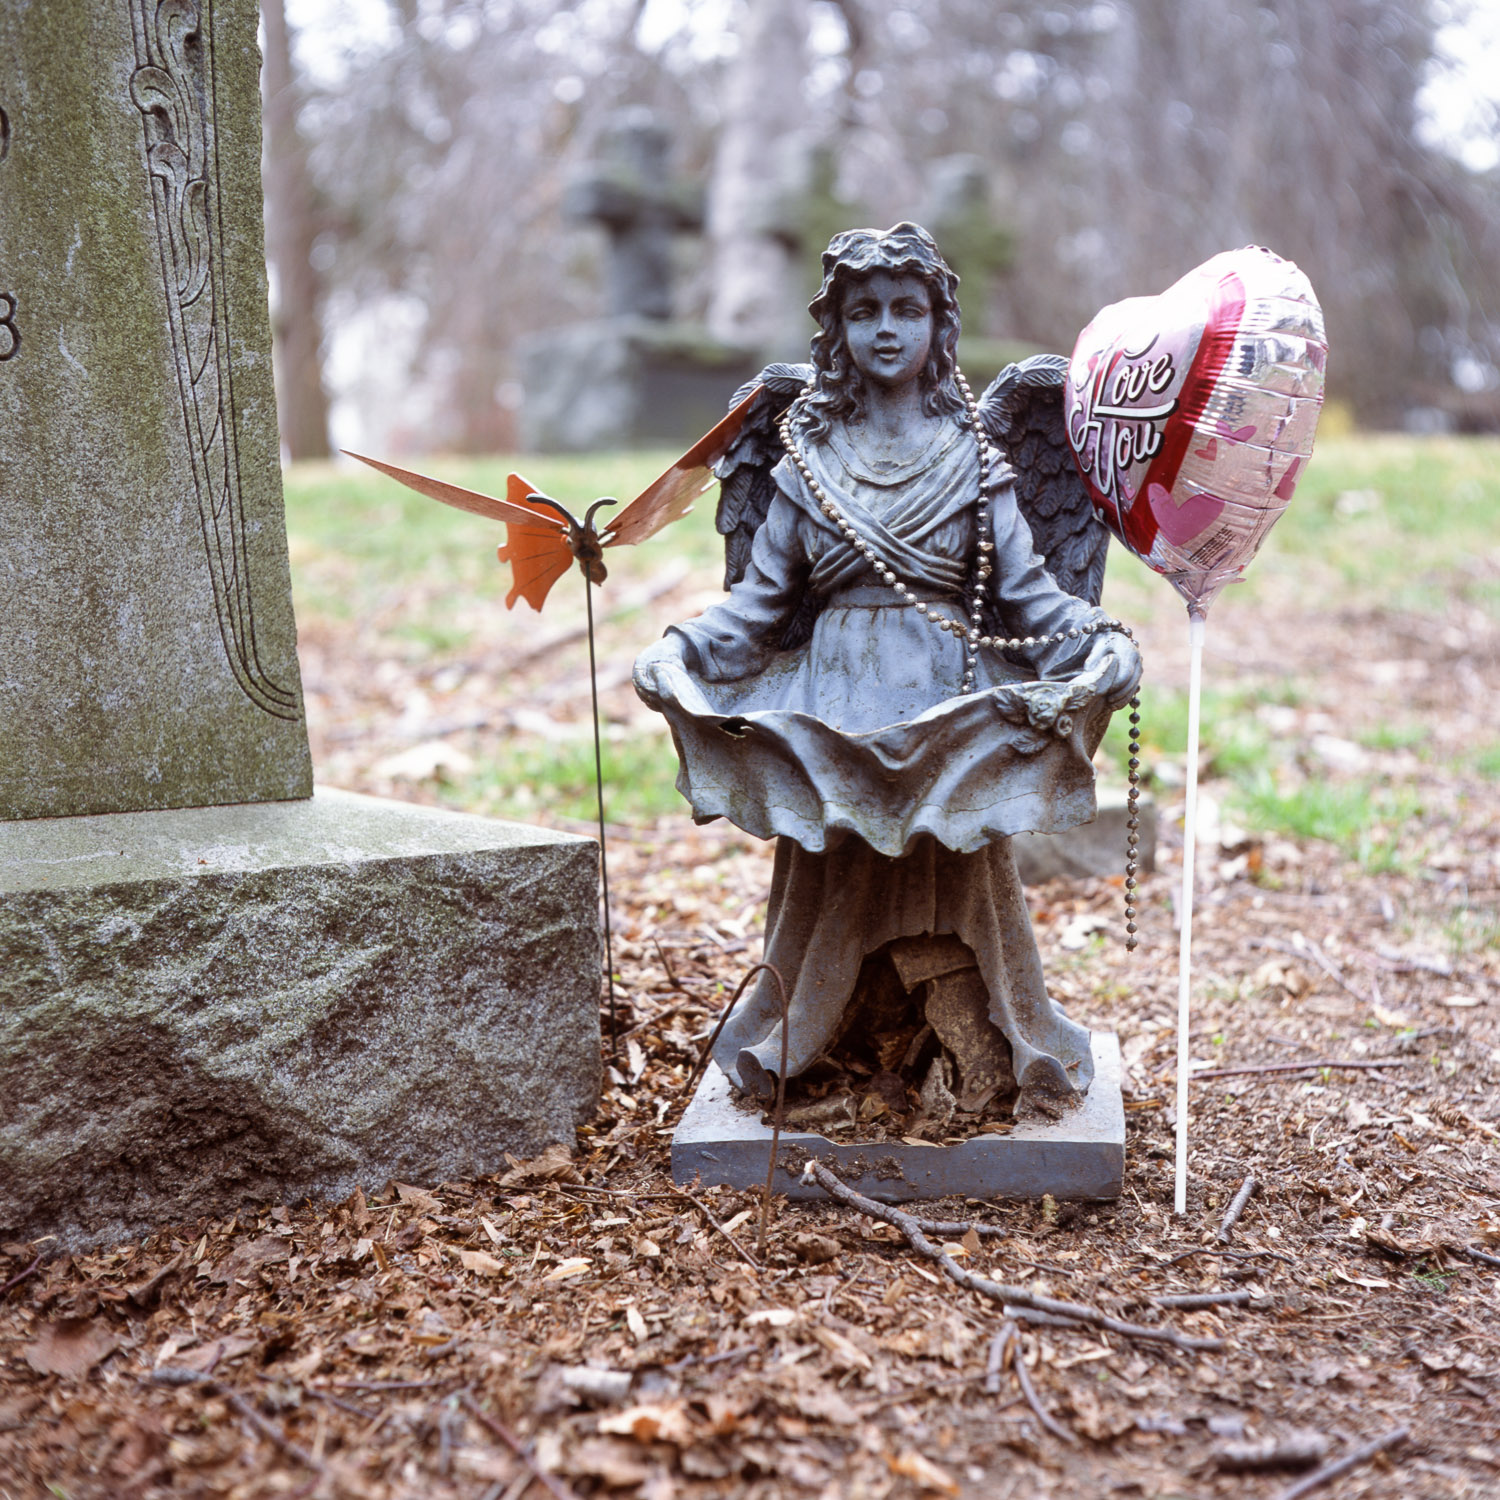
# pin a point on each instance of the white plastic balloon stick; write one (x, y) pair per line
(1196, 623)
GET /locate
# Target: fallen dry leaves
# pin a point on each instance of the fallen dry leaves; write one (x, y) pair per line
(579, 1318)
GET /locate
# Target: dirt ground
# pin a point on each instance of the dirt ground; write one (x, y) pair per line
(585, 1321)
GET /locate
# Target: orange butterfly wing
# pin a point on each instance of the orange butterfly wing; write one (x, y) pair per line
(536, 543)
(670, 496)
(537, 551)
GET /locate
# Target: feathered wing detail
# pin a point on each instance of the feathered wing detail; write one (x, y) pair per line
(744, 472)
(1023, 413)
(746, 488)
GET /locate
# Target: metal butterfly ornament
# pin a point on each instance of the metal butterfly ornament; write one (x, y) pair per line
(543, 537)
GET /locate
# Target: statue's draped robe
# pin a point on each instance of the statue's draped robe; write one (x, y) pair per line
(893, 796)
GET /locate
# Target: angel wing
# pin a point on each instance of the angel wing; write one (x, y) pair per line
(746, 488)
(744, 471)
(1022, 412)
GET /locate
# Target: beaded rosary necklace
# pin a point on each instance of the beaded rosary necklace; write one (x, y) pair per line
(970, 632)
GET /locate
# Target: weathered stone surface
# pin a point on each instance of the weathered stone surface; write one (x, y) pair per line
(627, 382)
(147, 646)
(722, 1139)
(1094, 848)
(204, 1007)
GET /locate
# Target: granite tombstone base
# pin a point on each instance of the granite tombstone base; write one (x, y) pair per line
(722, 1139)
(220, 1005)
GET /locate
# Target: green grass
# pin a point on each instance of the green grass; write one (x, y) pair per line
(531, 778)
(1362, 817)
(1395, 737)
(1399, 521)
(1379, 521)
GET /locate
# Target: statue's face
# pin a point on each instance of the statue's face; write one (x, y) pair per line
(888, 327)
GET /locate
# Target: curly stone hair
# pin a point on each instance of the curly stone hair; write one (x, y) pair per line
(906, 249)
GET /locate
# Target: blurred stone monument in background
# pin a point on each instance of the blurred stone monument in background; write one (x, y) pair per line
(637, 376)
(217, 986)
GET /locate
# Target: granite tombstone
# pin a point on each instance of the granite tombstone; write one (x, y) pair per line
(216, 986)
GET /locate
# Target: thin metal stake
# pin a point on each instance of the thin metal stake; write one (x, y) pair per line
(609, 951)
(1196, 623)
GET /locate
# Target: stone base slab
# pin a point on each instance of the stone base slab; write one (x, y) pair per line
(1094, 848)
(222, 1005)
(1082, 1156)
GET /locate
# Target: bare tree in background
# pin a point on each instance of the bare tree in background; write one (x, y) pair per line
(1125, 141)
(292, 229)
(754, 282)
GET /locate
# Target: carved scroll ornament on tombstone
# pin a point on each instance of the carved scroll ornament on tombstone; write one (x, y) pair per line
(173, 87)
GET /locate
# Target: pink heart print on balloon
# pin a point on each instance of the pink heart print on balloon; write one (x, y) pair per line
(1191, 414)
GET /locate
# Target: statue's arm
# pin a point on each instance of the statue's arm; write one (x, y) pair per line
(1031, 604)
(740, 636)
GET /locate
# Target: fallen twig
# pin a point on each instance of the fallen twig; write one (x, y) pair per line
(1040, 1319)
(664, 1014)
(995, 1363)
(392, 1385)
(1481, 1256)
(708, 1052)
(1077, 1311)
(710, 1359)
(1236, 1208)
(734, 1244)
(1023, 1378)
(1297, 1067)
(1227, 1255)
(1313, 951)
(554, 1487)
(21, 1276)
(1190, 1301)
(175, 1375)
(1293, 1450)
(1344, 1465)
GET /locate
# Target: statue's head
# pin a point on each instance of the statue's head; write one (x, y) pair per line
(851, 257)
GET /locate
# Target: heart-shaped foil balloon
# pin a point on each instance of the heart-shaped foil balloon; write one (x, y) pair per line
(1192, 414)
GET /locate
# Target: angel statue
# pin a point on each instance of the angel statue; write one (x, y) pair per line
(897, 683)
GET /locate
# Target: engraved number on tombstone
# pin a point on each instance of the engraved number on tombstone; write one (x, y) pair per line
(10, 335)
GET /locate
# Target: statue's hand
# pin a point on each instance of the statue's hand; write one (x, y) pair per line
(655, 670)
(1112, 670)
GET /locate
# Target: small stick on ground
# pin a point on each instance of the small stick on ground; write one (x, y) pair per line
(1326, 964)
(734, 1244)
(1481, 1257)
(702, 1063)
(1189, 1301)
(1079, 1312)
(21, 1276)
(1344, 1465)
(1039, 1319)
(391, 1385)
(1236, 1208)
(1227, 1255)
(996, 1363)
(1023, 1378)
(1295, 1067)
(554, 1487)
(263, 1425)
